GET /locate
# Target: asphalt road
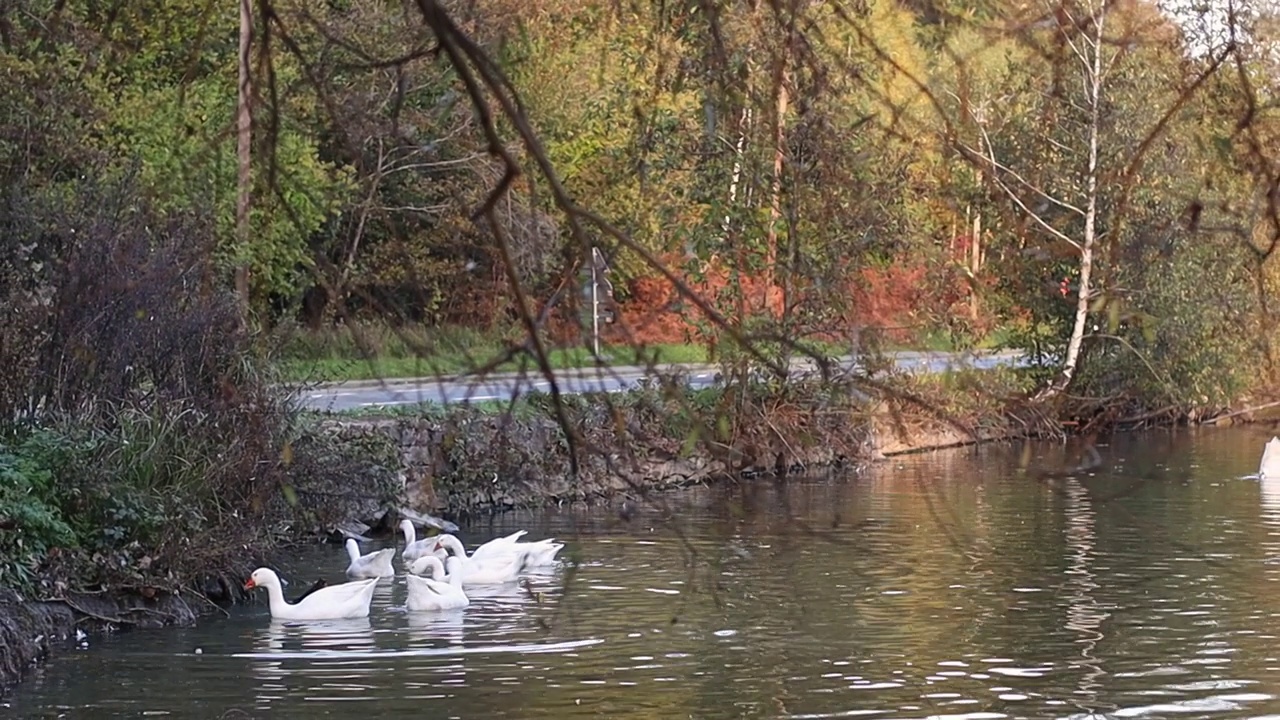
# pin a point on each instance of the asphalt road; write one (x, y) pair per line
(336, 397)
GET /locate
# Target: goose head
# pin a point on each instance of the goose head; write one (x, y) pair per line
(449, 543)
(262, 577)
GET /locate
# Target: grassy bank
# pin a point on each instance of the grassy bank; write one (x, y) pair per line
(378, 351)
(373, 351)
(168, 502)
(338, 368)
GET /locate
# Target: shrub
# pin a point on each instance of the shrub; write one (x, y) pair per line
(1183, 336)
(145, 427)
(31, 524)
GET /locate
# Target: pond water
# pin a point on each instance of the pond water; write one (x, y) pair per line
(951, 584)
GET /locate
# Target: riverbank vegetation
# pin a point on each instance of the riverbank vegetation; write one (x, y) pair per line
(146, 444)
(363, 189)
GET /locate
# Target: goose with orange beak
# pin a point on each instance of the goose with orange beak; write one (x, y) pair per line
(334, 602)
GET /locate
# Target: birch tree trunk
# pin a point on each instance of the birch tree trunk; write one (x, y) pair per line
(975, 265)
(244, 143)
(1090, 52)
(735, 178)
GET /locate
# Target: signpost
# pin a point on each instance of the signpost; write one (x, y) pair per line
(598, 292)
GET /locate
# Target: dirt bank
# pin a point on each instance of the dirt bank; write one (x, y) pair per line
(30, 631)
(467, 461)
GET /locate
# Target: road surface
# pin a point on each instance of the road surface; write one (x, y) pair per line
(338, 397)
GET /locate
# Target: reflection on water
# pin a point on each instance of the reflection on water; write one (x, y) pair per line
(422, 628)
(331, 659)
(316, 637)
(955, 584)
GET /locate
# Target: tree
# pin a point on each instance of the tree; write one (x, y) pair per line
(1074, 178)
(244, 148)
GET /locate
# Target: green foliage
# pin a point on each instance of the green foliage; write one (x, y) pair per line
(148, 91)
(616, 124)
(105, 498)
(33, 521)
(1182, 342)
(177, 137)
(144, 498)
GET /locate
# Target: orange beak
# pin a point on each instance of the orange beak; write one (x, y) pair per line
(248, 584)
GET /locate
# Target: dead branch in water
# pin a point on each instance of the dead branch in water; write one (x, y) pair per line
(1244, 411)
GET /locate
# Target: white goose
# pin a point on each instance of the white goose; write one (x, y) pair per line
(542, 552)
(335, 602)
(1270, 465)
(437, 592)
(414, 548)
(497, 546)
(490, 571)
(370, 565)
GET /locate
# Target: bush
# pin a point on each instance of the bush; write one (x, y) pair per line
(143, 500)
(1184, 337)
(31, 524)
(145, 431)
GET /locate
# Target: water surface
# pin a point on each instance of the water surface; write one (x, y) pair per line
(951, 584)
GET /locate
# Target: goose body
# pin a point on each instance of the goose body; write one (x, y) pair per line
(314, 587)
(542, 552)
(496, 546)
(376, 564)
(1270, 465)
(332, 602)
(414, 548)
(494, 571)
(437, 592)
(533, 554)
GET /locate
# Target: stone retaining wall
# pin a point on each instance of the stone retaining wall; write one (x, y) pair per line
(470, 462)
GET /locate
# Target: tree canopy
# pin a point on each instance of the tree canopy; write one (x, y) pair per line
(806, 170)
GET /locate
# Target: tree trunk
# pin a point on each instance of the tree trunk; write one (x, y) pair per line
(731, 239)
(735, 178)
(975, 266)
(1093, 74)
(775, 191)
(244, 154)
